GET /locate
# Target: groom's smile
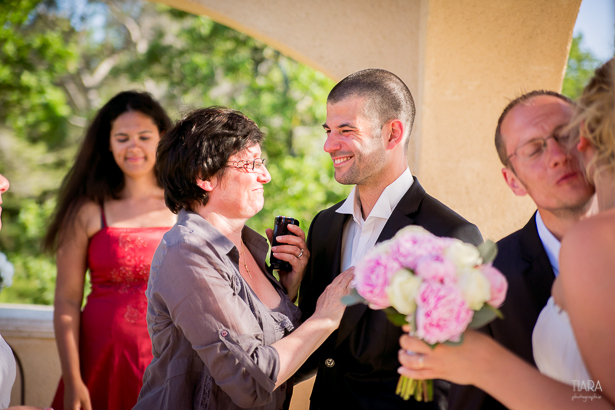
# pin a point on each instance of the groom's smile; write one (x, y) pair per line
(341, 160)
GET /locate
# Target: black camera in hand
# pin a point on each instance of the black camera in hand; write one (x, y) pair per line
(280, 228)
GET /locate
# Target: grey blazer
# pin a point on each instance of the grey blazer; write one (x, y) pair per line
(211, 335)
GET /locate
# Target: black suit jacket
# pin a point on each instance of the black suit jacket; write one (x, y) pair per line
(524, 262)
(357, 365)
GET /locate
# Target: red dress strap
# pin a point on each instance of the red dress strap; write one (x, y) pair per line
(103, 220)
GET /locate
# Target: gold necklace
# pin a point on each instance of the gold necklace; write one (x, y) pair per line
(244, 261)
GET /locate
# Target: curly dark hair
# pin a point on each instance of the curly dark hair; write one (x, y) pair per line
(199, 147)
(95, 176)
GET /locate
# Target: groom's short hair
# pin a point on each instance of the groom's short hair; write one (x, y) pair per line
(386, 95)
(500, 146)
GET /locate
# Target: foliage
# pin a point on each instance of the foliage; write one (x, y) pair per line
(581, 66)
(32, 57)
(61, 60)
(34, 272)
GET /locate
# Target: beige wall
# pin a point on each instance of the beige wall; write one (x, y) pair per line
(463, 61)
(336, 37)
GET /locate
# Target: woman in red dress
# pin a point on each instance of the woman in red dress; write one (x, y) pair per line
(110, 218)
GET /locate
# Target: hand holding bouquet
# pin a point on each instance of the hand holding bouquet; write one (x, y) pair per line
(439, 286)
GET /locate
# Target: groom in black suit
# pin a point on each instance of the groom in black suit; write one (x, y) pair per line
(531, 141)
(369, 120)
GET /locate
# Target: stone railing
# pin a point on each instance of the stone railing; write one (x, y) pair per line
(28, 329)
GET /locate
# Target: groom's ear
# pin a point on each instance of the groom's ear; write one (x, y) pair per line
(394, 133)
(513, 182)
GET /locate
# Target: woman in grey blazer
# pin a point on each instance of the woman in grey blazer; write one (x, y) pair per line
(225, 332)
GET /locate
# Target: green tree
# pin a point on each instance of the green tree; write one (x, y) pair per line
(60, 62)
(34, 118)
(581, 66)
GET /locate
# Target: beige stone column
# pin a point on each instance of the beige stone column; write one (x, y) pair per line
(463, 61)
(479, 55)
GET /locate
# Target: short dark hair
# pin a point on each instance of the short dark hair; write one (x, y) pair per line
(386, 94)
(95, 176)
(500, 146)
(199, 146)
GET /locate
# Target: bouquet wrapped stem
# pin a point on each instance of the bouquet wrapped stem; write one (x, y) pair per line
(421, 390)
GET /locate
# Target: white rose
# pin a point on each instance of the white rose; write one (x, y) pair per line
(475, 288)
(463, 255)
(381, 248)
(402, 291)
(414, 229)
(6, 271)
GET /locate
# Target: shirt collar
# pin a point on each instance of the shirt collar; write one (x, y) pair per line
(387, 201)
(550, 243)
(195, 222)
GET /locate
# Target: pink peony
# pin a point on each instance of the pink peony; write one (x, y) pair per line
(409, 247)
(372, 276)
(436, 268)
(498, 282)
(442, 314)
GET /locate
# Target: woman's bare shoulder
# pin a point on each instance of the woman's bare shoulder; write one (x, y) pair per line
(588, 247)
(89, 218)
(593, 234)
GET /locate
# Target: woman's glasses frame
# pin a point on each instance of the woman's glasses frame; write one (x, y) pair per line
(248, 165)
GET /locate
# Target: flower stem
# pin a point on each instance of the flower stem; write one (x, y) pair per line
(421, 390)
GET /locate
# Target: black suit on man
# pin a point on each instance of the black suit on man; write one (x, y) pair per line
(357, 365)
(524, 262)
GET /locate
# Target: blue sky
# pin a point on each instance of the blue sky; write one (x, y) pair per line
(596, 20)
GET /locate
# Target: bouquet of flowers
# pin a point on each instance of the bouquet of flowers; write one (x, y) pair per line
(439, 286)
(6, 272)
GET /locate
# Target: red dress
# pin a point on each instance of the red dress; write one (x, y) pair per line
(114, 345)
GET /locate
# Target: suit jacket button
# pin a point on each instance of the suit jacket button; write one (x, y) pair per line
(329, 362)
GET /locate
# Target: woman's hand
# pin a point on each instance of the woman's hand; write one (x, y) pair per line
(76, 396)
(295, 348)
(295, 252)
(458, 364)
(329, 304)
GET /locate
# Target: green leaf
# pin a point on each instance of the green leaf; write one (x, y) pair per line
(488, 251)
(398, 319)
(495, 310)
(353, 298)
(483, 316)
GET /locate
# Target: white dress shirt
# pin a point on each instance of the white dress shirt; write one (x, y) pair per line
(550, 242)
(361, 235)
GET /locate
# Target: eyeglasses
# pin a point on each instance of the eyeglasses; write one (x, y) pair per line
(534, 149)
(255, 164)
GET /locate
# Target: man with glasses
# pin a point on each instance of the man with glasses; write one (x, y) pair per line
(539, 160)
(368, 125)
